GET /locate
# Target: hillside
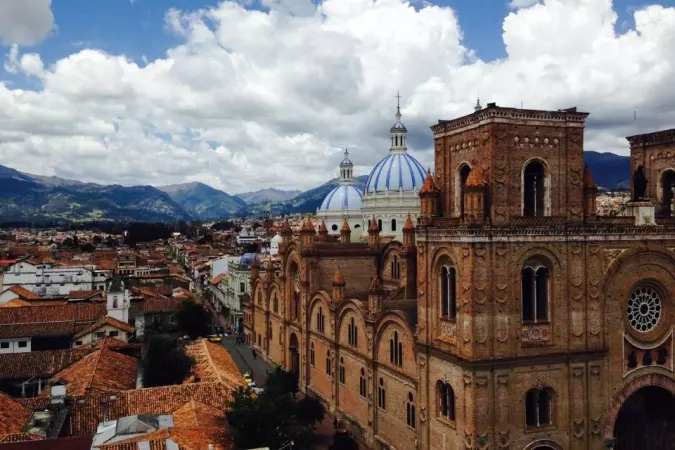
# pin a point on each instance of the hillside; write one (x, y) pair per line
(202, 201)
(609, 170)
(267, 195)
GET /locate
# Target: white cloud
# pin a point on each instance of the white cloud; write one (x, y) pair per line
(517, 4)
(253, 99)
(25, 22)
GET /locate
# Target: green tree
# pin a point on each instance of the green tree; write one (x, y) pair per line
(193, 319)
(274, 417)
(165, 362)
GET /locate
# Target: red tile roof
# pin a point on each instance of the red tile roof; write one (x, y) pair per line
(214, 364)
(110, 321)
(70, 443)
(24, 293)
(219, 278)
(13, 416)
(186, 438)
(38, 364)
(84, 295)
(15, 302)
(86, 415)
(198, 414)
(48, 320)
(155, 305)
(103, 371)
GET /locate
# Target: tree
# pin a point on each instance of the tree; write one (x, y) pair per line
(165, 363)
(275, 416)
(87, 247)
(193, 319)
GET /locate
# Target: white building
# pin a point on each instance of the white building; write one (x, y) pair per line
(342, 203)
(392, 189)
(48, 279)
(274, 244)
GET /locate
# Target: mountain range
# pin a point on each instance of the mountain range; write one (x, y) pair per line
(38, 198)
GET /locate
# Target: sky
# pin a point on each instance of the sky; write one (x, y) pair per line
(251, 94)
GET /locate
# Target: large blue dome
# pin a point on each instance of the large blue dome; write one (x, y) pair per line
(397, 171)
(342, 197)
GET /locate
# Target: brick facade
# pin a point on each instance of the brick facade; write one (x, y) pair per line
(488, 349)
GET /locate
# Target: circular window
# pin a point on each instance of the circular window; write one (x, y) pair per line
(334, 227)
(644, 309)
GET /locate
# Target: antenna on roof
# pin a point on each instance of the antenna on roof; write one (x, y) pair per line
(521, 104)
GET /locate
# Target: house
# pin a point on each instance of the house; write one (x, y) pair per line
(104, 327)
(44, 278)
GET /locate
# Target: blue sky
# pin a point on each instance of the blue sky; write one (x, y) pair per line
(137, 29)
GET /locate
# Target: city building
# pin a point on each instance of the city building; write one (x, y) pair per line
(49, 279)
(510, 316)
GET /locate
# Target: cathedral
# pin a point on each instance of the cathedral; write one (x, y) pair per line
(506, 314)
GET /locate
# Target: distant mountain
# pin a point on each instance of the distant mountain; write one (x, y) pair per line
(609, 171)
(267, 195)
(305, 202)
(202, 201)
(27, 197)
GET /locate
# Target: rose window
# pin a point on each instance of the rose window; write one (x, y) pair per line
(644, 309)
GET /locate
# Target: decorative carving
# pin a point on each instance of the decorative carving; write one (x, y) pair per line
(578, 428)
(482, 442)
(449, 328)
(503, 439)
(536, 334)
(596, 428)
(610, 254)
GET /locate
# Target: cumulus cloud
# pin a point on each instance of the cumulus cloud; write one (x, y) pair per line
(515, 4)
(254, 99)
(25, 22)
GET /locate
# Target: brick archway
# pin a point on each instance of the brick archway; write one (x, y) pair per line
(652, 379)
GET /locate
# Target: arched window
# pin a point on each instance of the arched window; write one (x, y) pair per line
(534, 190)
(341, 371)
(396, 268)
(667, 194)
(296, 305)
(448, 292)
(393, 224)
(311, 353)
(328, 364)
(410, 411)
(395, 350)
(535, 292)
(320, 320)
(539, 407)
(362, 383)
(379, 225)
(352, 333)
(381, 395)
(275, 304)
(446, 400)
(269, 330)
(463, 175)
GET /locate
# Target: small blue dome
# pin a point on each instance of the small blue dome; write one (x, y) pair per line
(342, 197)
(398, 126)
(397, 171)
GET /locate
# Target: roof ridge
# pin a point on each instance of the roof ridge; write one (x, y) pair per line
(211, 363)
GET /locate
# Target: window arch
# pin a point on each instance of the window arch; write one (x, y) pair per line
(410, 411)
(275, 303)
(539, 407)
(535, 191)
(341, 371)
(320, 320)
(352, 333)
(396, 267)
(666, 193)
(395, 350)
(448, 290)
(446, 400)
(362, 383)
(535, 289)
(393, 224)
(328, 363)
(463, 172)
(381, 395)
(311, 354)
(379, 225)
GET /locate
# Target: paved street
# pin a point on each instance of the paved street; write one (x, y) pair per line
(243, 357)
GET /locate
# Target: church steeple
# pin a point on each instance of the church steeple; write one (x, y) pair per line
(398, 132)
(346, 170)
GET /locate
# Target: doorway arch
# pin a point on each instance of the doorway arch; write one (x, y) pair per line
(294, 354)
(646, 420)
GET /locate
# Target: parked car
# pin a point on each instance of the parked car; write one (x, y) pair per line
(215, 338)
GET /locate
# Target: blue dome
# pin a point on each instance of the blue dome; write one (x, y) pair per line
(398, 126)
(342, 197)
(394, 172)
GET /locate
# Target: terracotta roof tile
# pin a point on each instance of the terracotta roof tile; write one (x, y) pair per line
(24, 293)
(84, 295)
(198, 414)
(475, 178)
(429, 186)
(103, 371)
(15, 438)
(186, 438)
(155, 305)
(214, 364)
(110, 321)
(219, 278)
(69, 443)
(52, 313)
(41, 364)
(88, 413)
(15, 302)
(13, 416)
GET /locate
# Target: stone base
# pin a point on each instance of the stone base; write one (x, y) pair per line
(644, 212)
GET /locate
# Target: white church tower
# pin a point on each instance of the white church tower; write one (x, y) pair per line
(118, 300)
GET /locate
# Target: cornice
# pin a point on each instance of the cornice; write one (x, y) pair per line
(499, 114)
(650, 139)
